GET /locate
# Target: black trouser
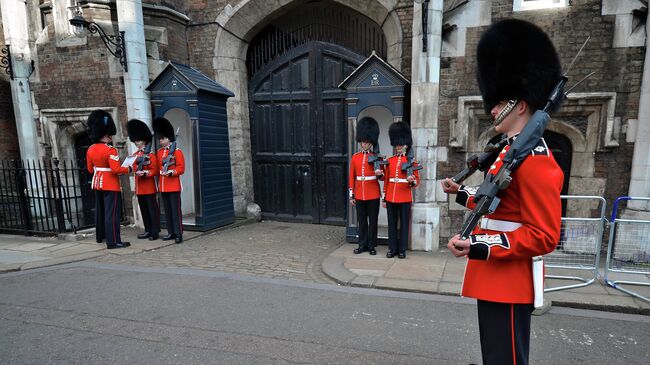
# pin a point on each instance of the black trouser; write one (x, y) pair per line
(172, 205)
(367, 214)
(505, 332)
(108, 213)
(403, 212)
(150, 213)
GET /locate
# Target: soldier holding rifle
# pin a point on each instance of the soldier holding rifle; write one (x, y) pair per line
(364, 192)
(172, 166)
(146, 168)
(518, 75)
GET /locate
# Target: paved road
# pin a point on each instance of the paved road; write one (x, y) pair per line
(118, 314)
(266, 249)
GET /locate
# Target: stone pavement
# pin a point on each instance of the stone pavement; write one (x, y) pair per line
(442, 273)
(308, 252)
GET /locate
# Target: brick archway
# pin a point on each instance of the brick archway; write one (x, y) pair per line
(239, 24)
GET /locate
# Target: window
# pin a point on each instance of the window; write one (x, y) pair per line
(521, 5)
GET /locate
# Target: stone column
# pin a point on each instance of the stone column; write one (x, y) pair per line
(16, 33)
(136, 80)
(425, 86)
(640, 178)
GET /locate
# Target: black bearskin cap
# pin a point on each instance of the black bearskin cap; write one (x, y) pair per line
(400, 134)
(138, 131)
(163, 128)
(99, 124)
(368, 130)
(516, 60)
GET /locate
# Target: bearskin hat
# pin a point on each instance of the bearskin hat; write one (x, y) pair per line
(516, 60)
(163, 128)
(400, 134)
(368, 130)
(138, 131)
(99, 124)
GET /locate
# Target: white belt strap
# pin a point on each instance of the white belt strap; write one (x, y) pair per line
(102, 169)
(498, 225)
(396, 180)
(538, 281)
(364, 178)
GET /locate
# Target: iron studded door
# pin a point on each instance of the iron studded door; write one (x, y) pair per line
(299, 134)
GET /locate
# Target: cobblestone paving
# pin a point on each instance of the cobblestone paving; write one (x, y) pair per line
(267, 249)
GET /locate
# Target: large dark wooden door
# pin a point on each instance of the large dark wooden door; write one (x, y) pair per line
(299, 134)
(562, 151)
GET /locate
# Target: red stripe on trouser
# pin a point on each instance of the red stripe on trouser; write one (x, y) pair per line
(180, 216)
(512, 333)
(113, 223)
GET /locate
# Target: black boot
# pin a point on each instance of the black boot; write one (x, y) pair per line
(359, 250)
(143, 236)
(168, 237)
(118, 245)
(153, 236)
(179, 238)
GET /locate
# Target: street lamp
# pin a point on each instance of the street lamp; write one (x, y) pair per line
(114, 43)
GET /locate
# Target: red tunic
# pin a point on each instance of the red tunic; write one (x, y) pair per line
(103, 162)
(362, 181)
(171, 183)
(499, 265)
(396, 188)
(146, 184)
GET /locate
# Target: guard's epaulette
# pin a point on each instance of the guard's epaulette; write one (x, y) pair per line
(541, 149)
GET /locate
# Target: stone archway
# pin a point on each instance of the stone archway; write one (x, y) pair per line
(238, 25)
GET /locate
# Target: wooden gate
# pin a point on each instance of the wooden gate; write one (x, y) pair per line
(299, 134)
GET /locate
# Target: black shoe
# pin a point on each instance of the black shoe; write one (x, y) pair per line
(153, 237)
(401, 255)
(99, 240)
(168, 237)
(178, 238)
(118, 245)
(143, 236)
(359, 250)
(372, 251)
(389, 254)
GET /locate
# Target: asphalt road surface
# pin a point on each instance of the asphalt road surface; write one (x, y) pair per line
(91, 313)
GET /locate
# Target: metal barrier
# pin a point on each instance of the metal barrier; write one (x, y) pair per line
(580, 242)
(629, 249)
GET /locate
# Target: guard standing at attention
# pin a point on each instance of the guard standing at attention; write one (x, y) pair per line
(146, 168)
(401, 177)
(172, 166)
(364, 192)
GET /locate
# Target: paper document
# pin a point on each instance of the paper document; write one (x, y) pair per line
(129, 161)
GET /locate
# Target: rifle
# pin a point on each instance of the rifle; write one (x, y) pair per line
(408, 165)
(144, 160)
(486, 195)
(376, 159)
(170, 159)
(483, 161)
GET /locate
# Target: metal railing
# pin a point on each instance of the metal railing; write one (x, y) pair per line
(45, 197)
(629, 251)
(580, 242)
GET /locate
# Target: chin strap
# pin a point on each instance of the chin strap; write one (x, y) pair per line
(505, 111)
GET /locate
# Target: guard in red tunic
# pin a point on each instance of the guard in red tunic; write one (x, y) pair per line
(145, 168)
(401, 177)
(517, 70)
(172, 166)
(364, 192)
(103, 162)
